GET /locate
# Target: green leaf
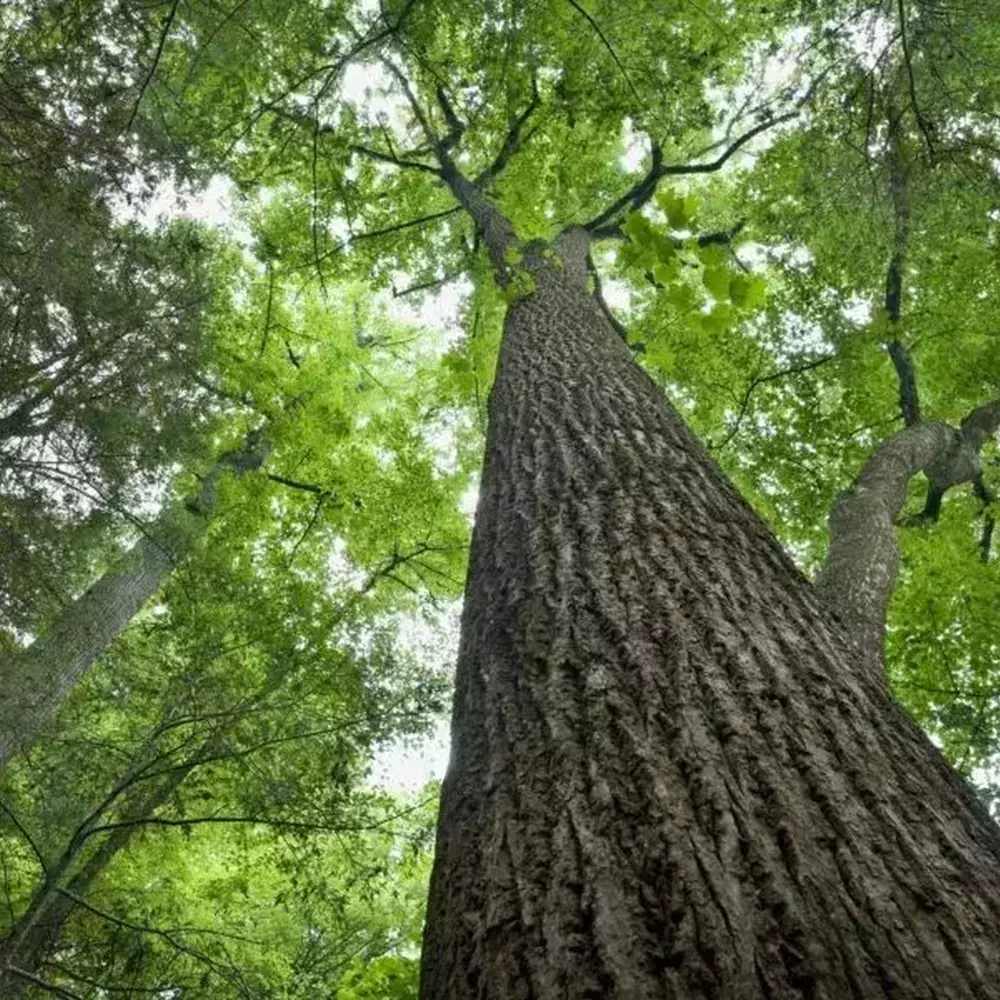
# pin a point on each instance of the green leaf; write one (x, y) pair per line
(679, 209)
(717, 281)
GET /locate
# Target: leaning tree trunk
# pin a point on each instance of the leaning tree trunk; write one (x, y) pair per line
(35, 682)
(672, 775)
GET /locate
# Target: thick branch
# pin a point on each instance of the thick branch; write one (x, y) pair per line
(981, 424)
(513, 142)
(909, 400)
(857, 579)
(643, 190)
(911, 77)
(296, 485)
(375, 154)
(456, 127)
(493, 225)
(616, 325)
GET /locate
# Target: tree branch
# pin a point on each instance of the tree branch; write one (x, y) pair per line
(981, 424)
(23, 830)
(909, 400)
(643, 190)
(759, 380)
(148, 79)
(423, 286)
(617, 326)
(911, 77)
(496, 230)
(899, 190)
(456, 127)
(296, 485)
(396, 161)
(389, 230)
(857, 578)
(604, 41)
(42, 984)
(514, 140)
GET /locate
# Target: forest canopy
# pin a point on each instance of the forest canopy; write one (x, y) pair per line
(255, 262)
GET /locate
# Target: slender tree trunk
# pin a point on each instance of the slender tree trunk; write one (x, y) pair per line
(34, 683)
(38, 932)
(672, 775)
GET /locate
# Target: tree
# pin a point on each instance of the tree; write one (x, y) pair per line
(39, 679)
(677, 766)
(672, 770)
(101, 319)
(229, 732)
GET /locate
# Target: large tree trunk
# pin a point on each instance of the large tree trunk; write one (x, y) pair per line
(34, 683)
(672, 775)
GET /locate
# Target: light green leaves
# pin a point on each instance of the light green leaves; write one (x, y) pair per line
(680, 209)
(685, 269)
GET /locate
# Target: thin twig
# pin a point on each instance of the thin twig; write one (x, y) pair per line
(611, 51)
(643, 190)
(167, 25)
(771, 377)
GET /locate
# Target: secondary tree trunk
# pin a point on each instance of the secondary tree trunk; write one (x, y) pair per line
(38, 932)
(672, 776)
(34, 683)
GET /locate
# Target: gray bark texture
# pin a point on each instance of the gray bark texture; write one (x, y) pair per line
(857, 580)
(672, 773)
(34, 683)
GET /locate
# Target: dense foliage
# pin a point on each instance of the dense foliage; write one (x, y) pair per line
(197, 820)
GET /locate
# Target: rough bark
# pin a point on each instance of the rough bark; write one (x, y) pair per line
(35, 682)
(672, 776)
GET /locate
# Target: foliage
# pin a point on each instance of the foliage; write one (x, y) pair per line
(274, 663)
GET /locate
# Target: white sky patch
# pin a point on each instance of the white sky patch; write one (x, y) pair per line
(858, 310)
(340, 570)
(408, 765)
(800, 336)
(438, 310)
(617, 294)
(469, 500)
(636, 147)
(369, 87)
(441, 436)
(869, 35)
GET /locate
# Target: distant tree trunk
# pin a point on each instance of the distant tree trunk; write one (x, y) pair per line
(672, 774)
(34, 683)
